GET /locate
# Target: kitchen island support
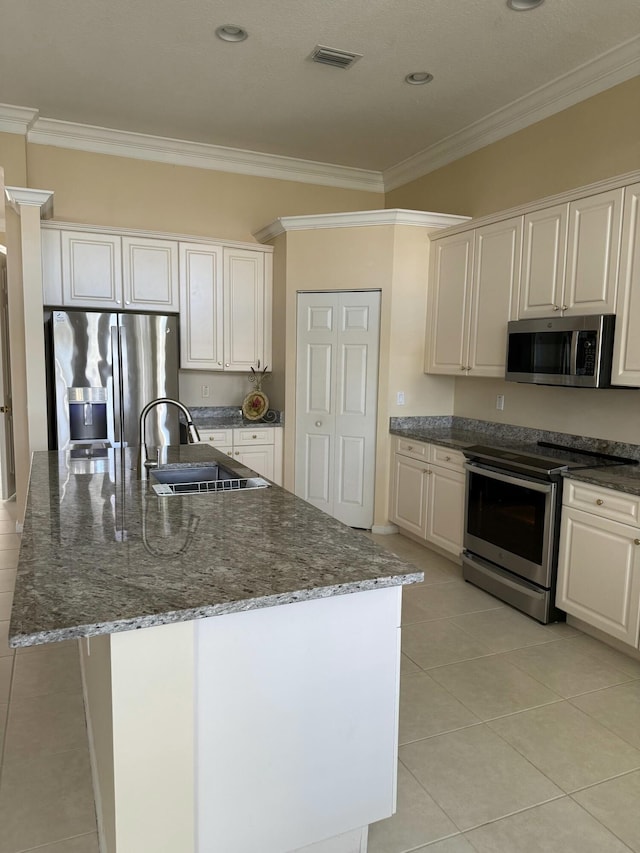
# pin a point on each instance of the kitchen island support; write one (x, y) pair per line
(272, 729)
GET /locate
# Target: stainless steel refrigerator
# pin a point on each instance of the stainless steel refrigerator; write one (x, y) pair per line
(102, 369)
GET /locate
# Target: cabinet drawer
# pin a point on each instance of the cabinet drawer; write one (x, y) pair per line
(217, 437)
(446, 457)
(415, 449)
(607, 503)
(253, 435)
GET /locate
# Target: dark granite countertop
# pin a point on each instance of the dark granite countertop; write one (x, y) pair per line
(624, 478)
(229, 417)
(102, 553)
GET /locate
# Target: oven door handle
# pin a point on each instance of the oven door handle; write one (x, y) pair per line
(496, 474)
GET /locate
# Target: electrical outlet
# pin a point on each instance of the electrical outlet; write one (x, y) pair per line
(500, 402)
(400, 398)
(205, 391)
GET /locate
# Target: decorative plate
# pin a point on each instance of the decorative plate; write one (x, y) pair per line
(255, 405)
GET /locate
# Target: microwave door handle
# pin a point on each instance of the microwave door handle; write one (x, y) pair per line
(573, 364)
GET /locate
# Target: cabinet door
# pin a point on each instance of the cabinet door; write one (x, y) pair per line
(593, 247)
(51, 267)
(259, 458)
(626, 349)
(445, 509)
(494, 295)
(599, 573)
(244, 309)
(448, 311)
(201, 325)
(150, 274)
(409, 491)
(91, 270)
(543, 258)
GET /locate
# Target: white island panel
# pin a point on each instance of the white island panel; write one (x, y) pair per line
(296, 721)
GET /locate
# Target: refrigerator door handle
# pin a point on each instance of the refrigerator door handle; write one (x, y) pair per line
(117, 387)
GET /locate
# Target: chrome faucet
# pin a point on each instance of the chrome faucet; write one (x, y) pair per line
(193, 435)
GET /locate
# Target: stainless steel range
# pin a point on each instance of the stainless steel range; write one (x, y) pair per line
(513, 504)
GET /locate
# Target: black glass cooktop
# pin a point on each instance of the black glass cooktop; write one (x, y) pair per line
(543, 458)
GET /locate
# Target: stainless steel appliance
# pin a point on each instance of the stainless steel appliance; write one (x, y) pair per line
(573, 351)
(103, 368)
(512, 522)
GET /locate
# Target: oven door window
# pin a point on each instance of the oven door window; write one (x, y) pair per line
(543, 353)
(509, 516)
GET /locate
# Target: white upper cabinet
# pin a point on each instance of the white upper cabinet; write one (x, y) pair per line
(448, 314)
(543, 255)
(494, 295)
(91, 270)
(626, 349)
(244, 309)
(201, 318)
(83, 269)
(473, 293)
(593, 247)
(570, 257)
(150, 274)
(225, 308)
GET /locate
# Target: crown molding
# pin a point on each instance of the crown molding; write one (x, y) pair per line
(20, 196)
(16, 119)
(356, 219)
(178, 152)
(607, 70)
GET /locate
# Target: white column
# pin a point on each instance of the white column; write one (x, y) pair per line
(24, 273)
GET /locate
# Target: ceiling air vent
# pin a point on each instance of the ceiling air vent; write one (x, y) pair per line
(332, 56)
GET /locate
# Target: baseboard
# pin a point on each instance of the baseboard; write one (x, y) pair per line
(102, 845)
(384, 529)
(597, 634)
(351, 842)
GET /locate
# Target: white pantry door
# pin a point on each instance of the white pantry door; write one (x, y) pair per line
(336, 394)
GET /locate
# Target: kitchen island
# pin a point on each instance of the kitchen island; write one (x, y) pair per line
(257, 708)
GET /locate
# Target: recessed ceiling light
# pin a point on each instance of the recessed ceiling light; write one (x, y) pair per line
(231, 33)
(523, 5)
(417, 78)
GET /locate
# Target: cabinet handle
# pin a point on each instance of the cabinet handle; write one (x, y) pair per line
(409, 446)
(227, 364)
(237, 453)
(556, 307)
(127, 302)
(447, 459)
(636, 541)
(254, 436)
(462, 367)
(564, 307)
(599, 501)
(318, 423)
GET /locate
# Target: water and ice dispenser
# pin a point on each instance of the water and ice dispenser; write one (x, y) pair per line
(87, 414)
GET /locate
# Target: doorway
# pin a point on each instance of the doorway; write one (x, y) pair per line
(338, 343)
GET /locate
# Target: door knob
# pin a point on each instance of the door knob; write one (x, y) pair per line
(318, 423)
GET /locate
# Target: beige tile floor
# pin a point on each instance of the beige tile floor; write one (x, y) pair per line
(514, 737)
(46, 797)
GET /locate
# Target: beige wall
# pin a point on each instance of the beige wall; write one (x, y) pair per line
(393, 259)
(580, 411)
(100, 189)
(593, 140)
(13, 159)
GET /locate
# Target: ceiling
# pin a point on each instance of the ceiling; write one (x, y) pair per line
(156, 67)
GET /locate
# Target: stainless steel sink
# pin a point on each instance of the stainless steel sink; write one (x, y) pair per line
(189, 480)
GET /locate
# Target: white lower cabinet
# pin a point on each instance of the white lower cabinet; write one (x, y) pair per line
(427, 493)
(599, 565)
(259, 448)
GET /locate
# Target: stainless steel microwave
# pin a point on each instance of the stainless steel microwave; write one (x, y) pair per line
(575, 351)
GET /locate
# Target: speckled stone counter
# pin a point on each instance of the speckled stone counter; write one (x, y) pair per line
(229, 417)
(101, 553)
(454, 432)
